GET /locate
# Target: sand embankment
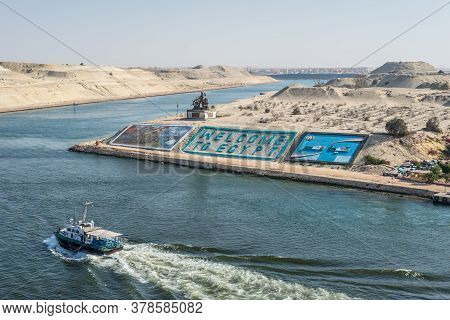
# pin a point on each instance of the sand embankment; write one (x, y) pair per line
(26, 86)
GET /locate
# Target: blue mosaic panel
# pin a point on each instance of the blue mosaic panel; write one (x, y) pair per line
(328, 148)
(151, 136)
(240, 143)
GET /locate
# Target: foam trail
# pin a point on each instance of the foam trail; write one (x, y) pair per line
(409, 273)
(57, 250)
(197, 278)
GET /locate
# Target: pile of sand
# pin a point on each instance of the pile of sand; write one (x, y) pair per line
(299, 92)
(393, 96)
(410, 67)
(417, 75)
(30, 85)
(436, 81)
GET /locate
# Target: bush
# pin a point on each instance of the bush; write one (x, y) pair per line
(397, 127)
(431, 177)
(437, 170)
(434, 174)
(296, 111)
(445, 168)
(373, 160)
(433, 125)
(447, 150)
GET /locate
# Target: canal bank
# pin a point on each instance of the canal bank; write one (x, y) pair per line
(280, 170)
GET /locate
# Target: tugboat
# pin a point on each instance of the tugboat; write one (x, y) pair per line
(85, 236)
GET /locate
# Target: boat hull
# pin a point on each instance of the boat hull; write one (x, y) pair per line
(79, 246)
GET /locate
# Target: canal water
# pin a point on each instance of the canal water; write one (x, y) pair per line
(200, 234)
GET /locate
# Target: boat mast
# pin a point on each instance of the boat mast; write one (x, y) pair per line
(86, 205)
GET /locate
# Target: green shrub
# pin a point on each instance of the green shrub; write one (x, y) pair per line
(296, 111)
(447, 150)
(445, 168)
(397, 127)
(433, 125)
(435, 174)
(375, 161)
(437, 170)
(431, 177)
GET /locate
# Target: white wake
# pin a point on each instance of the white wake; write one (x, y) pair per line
(198, 278)
(57, 250)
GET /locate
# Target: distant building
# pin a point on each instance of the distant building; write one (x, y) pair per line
(276, 71)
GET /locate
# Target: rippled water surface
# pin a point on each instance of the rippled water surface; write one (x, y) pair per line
(200, 234)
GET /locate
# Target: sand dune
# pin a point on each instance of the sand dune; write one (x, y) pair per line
(415, 75)
(29, 85)
(409, 67)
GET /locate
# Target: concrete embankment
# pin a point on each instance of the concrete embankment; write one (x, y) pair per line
(280, 170)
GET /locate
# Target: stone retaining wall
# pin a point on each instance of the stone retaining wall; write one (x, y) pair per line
(102, 149)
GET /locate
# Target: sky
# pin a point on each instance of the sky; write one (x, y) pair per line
(171, 33)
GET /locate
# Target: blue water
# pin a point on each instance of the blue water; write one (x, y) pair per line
(199, 234)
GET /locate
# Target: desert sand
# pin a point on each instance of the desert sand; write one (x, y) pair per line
(340, 109)
(25, 86)
(347, 110)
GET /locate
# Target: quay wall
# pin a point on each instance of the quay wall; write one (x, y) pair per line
(272, 172)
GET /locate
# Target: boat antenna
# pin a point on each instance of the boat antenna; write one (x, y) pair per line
(86, 205)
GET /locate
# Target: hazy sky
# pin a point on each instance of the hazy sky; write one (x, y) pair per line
(240, 33)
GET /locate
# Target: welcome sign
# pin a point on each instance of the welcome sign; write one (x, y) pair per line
(239, 143)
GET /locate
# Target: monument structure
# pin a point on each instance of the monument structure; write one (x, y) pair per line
(200, 109)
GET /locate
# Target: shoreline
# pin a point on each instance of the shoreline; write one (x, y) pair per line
(280, 170)
(156, 94)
